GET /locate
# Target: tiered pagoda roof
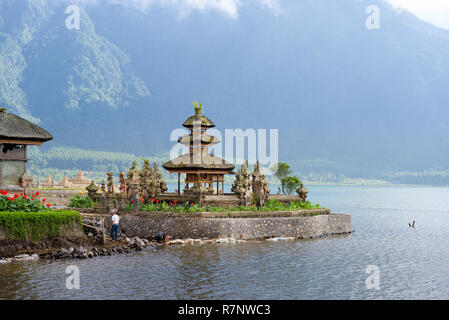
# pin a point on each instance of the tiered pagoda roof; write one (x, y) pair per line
(198, 158)
(198, 119)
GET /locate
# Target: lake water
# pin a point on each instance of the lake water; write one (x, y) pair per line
(412, 263)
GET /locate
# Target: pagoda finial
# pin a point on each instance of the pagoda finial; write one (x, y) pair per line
(198, 107)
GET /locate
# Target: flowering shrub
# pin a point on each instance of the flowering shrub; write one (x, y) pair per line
(20, 202)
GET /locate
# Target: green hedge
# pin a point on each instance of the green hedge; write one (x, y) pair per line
(38, 225)
(270, 205)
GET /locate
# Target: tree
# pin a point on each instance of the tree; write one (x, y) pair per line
(281, 170)
(290, 184)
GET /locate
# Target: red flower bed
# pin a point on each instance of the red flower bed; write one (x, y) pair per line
(16, 202)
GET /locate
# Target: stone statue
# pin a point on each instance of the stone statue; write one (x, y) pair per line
(103, 195)
(302, 193)
(133, 171)
(103, 187)
(133, 174)
(158, 184)
(25, 182)
(242, 185)
(260, 186)
(199, 190)
(122, 184)
(110, 183)
(134, 194)
(151, 182)
(92, 190)
(133, 188)
(146, 181)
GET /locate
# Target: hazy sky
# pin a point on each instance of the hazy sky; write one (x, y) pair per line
(433, 11)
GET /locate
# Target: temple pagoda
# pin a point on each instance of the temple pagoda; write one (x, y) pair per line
(202, 169)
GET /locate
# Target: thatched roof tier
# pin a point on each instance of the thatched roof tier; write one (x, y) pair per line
(205, 162)
(198, 120)
(16, 130)
(189, 139)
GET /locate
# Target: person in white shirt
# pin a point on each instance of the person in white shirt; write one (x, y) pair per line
(115, 221)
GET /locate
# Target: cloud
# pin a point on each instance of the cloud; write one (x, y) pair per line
(229, 8)
(272, 5)
(435, 12)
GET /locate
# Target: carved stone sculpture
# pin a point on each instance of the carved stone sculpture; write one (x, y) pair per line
(302, 193)
(200, 191)
(260, 186)
(242, 185)
(146, 181)
(110, 183)
(158, 184)
(133, 174)
(92, 190)
(103, 195)
(133, 189)
(122, 184)
(25, 182)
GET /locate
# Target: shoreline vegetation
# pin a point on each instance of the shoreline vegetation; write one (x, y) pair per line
(59, 161)
(270, 206)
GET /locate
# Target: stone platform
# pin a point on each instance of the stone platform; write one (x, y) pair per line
(303, 224)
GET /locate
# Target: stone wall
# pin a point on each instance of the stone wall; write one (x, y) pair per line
(58, 197)
(147, 226)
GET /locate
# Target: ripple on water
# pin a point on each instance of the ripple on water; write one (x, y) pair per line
(412, 262)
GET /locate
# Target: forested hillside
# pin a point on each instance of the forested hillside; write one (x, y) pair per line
(347, 101)
(60, 161)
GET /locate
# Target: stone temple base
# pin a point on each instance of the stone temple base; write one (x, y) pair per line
(303, 227)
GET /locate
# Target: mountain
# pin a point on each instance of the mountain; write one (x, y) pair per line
(76, 83)
(345, 99)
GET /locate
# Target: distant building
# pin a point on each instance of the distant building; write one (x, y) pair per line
(15, 135)
(78, 182)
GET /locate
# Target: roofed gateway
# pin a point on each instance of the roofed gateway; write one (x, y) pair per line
(15, 134)
(202, 169)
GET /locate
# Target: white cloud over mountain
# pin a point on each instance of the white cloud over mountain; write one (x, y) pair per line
(435, 12)
(229, 8)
